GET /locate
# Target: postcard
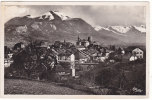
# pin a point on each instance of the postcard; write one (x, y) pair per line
(75, 49)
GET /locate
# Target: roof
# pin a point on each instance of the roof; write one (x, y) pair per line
(54, 52)
(90, 51)
(81, 55)
(63, 52)
(137, 49)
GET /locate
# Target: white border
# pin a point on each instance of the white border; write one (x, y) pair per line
(85, 96)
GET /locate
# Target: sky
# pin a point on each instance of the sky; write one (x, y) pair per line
(98, 15)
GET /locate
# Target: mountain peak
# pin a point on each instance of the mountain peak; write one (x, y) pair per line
(54, 15)
(47, 15)
(61, 15)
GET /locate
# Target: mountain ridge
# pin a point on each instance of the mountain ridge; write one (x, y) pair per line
(53, 26)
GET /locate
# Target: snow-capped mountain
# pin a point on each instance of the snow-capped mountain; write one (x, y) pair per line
(53, 26)
(97, 28)
(47, 15)
(61, 15)
(52, 14)
(122, 29)
(141, 28)
(123, 34)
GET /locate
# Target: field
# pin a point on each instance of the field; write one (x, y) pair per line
(20, 86)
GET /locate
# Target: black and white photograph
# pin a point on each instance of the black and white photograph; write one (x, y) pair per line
(75, 49)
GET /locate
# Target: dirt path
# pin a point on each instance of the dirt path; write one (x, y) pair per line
(17, 86)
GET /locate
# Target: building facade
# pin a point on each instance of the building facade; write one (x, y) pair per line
(138, 53)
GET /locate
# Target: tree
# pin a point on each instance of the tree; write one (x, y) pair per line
(119, 51)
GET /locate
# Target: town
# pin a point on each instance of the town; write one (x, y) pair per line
(61, 61)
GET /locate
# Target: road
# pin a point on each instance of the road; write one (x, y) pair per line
(19, 86)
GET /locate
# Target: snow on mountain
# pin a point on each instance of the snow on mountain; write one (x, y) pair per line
(29, 16)
(97, 28)
(141, 28)
(61, 15)
(121, 29)
(50, 16)
(47, 15)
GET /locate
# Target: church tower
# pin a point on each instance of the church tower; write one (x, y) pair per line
(78, 41)
(90, 39)
(78, 38)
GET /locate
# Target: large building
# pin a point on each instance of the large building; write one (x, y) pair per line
(84, 42)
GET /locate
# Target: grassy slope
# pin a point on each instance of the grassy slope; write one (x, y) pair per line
(16, 86)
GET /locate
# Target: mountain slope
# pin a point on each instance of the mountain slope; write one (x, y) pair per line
(128, 35)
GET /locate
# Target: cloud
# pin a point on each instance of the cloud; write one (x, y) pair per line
(94, 15)
(14, 11)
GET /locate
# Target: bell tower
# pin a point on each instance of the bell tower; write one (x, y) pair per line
(78, 38)
(90, 39)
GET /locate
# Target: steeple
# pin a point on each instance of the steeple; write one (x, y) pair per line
(78, 39)
(64, 41)
(90, 39)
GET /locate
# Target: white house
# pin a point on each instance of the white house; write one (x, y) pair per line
(138, 53)
(102, 59)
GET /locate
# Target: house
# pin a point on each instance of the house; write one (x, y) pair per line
(68, 57)
(10, 55)
(7, 62)
(138, 53)
(102, 59)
